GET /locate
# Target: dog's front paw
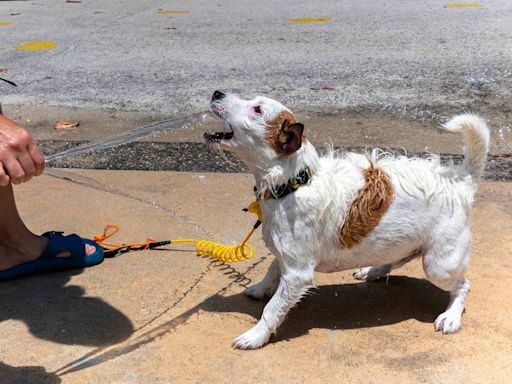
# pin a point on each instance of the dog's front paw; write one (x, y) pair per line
(254, 338)
(448, 322)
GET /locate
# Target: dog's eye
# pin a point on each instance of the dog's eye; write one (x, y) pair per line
(257, 110)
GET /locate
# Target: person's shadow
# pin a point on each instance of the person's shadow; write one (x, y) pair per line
(63, 314)
(15, 375)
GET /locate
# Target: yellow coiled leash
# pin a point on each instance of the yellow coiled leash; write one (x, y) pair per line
(228, 254)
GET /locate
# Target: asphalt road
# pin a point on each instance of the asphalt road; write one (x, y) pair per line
(145, 61)
(399, 55)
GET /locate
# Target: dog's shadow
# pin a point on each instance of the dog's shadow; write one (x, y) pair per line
(344, 306)
(348, 306)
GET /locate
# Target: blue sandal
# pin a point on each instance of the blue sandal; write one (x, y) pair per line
(49, 262)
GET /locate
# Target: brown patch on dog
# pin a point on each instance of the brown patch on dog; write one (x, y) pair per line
(284, 134)
(371, 203)
(281, 118)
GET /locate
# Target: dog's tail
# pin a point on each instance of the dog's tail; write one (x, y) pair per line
(476, 140)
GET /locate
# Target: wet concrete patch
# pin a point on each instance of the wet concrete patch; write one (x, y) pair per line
(196, 157)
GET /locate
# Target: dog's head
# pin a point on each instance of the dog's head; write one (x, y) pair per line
(260, 128)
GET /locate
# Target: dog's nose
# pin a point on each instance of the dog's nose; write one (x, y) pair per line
(218, 95)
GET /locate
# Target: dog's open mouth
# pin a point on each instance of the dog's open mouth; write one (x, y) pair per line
(218, 136)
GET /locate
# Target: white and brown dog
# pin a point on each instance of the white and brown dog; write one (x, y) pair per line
(345, 210)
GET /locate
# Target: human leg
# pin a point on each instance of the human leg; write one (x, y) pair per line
(18, 244)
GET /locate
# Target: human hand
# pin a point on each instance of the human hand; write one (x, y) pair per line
(20, 157)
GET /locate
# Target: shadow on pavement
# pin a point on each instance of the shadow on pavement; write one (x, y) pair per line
(34, 374)
(62, 314)
(348, 306)
(341, 306)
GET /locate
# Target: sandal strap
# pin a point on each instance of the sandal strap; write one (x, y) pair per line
(58, 243)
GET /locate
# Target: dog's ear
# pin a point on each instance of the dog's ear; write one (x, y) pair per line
(290, 136)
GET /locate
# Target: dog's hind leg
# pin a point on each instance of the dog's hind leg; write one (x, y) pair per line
(376, 272)
(445, 267)
(268, 285)
(293, 285)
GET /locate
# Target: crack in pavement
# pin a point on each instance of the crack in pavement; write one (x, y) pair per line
(90, 182)
(103, 354)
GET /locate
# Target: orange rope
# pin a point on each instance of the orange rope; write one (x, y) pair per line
(109, 231)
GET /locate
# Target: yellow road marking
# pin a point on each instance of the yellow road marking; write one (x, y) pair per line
(464, 6)
(36, 45)
(5, 23)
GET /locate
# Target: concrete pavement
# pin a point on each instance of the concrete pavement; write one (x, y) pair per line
(169, 316)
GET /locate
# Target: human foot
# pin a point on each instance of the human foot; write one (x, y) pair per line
(12, 255)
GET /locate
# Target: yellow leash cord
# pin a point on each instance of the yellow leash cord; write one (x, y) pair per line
(228, 254)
